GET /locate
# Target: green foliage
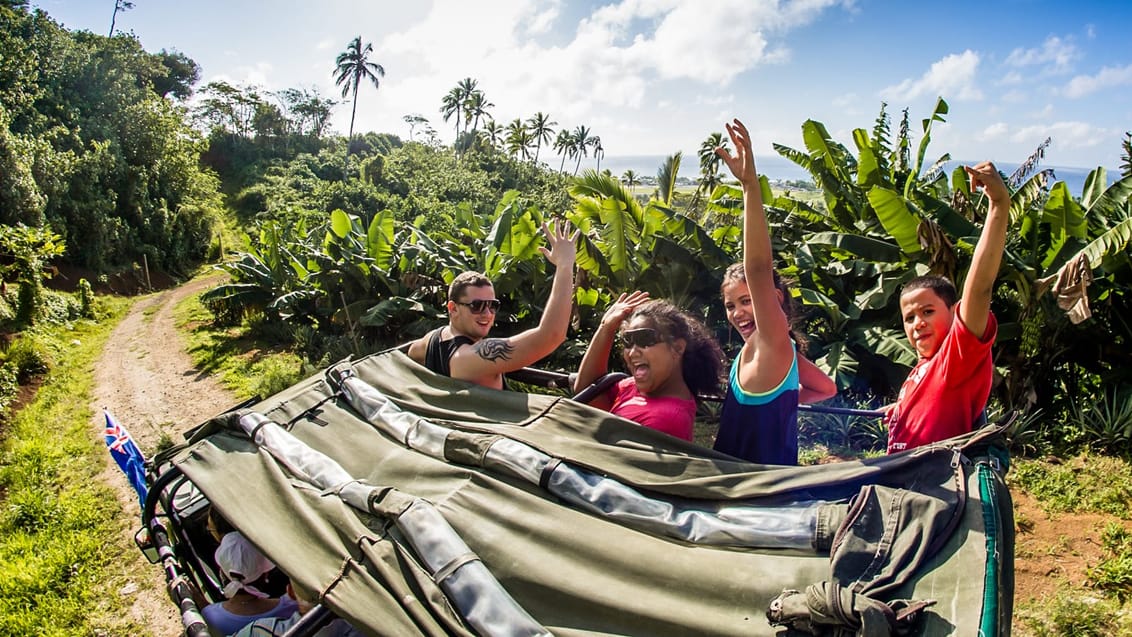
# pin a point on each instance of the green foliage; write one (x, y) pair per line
(29, 355)
(9, 386)
(60, 544)
(89, 149)
(86, 298)
(1113, 574)
(1086, 484)
(27, 251)
(1106, 421)
(275, 373)
(1070, 614)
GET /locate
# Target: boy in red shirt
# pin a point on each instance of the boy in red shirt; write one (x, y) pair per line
(948, 388)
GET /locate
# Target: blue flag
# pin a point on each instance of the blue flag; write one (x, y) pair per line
(126, 454)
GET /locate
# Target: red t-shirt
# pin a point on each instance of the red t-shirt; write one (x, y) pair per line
(944, 394)
(673, 416)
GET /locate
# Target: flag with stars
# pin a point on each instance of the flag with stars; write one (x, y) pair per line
(126, 453)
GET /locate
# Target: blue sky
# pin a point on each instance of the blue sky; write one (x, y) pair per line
(652, 77)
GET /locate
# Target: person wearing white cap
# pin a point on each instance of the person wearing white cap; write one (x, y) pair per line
(244, 569)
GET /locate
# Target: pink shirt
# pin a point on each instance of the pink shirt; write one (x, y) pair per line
(673, 416)
(944, 394)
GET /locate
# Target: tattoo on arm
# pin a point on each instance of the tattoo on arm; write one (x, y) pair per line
(494, 349)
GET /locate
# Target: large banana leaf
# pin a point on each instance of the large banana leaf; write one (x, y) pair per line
(880, 295)
(379, 240)
(894, 215)
(892, 344)
(619, 235)
(868, 164)
(1111, 243)
(840, 364)
(858, 245)
(1113, 203)
(938, 112)
(685, 231)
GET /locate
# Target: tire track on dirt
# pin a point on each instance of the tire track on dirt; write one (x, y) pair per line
(146, 378)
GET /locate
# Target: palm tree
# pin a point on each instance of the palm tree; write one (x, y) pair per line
(414, 120)
(541, 130)
(564, 145)
(493, 133)
(599, 151)
(353, 66)
(582, 140)
(452, 104)
(630, 179)
(519, 139)
(465, 88)
(709, 166)
(119, 5)
(476, 105)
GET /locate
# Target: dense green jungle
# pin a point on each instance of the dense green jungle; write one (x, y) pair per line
(119, 169)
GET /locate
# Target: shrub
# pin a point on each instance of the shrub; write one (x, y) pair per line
(1070, 615)
(28, 356)
(276, 373)
(86, 299)
(9, 385)
(1113, 574)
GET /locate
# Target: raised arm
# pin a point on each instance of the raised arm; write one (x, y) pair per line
(772, 350)
(595, 362)
(978, 287)
(492, 357)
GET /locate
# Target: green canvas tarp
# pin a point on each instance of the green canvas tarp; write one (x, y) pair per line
(430, 506)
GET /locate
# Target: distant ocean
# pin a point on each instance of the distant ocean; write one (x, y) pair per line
(779, 168)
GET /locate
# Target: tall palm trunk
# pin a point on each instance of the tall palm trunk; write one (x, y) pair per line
(353, 113)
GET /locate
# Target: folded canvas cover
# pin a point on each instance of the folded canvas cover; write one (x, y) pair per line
(416, 504)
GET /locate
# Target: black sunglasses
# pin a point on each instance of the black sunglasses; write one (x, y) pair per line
(479, 306)
(642, 338)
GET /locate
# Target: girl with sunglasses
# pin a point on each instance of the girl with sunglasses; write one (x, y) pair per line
(759, 419)
(671, 358)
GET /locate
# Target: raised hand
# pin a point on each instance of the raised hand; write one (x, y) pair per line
(986, 176)
(623, 307)
(742, 164)
(562, 250)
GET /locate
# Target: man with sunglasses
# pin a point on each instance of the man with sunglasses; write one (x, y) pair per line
(462, 349)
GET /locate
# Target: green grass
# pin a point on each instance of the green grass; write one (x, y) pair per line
(242, 363)
(1071, 613)
(61, 538)
(1087, 483)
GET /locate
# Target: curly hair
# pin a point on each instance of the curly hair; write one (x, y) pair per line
(735, 273)
(702, 363)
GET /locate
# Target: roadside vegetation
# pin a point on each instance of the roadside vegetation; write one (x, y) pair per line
(343, 246)
(61, 527)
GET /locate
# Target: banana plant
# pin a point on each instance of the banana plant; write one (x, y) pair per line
(267, 277)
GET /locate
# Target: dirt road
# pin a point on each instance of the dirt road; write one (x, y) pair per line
(147, 380)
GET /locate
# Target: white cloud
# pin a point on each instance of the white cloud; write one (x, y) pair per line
(623, 57)
(952, 77)
(1065, 135)
(1012, 78)
(544, 20)
(998, 130)
(1014, 96)
(1108, 77)
(715, 100)
(1056, 56)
